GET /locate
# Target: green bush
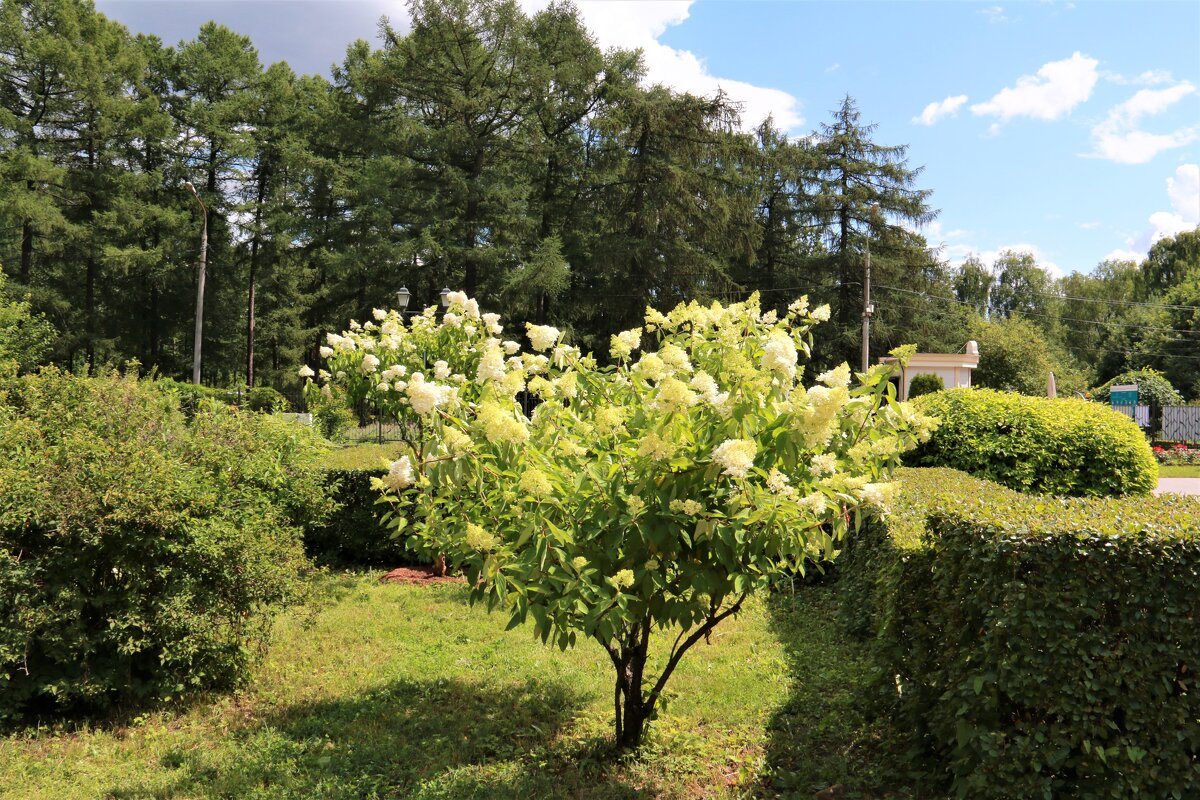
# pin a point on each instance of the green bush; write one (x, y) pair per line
(925, 383)
(265, 399)
(353, 534)
(331, 414)
(190, 397)
(141, 556)
(1153, 387)
(1038, 646)
(1037, 444)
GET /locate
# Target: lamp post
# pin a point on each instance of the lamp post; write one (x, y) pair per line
(868, 308)
(445, 295)
(402, 298)
(198, 338)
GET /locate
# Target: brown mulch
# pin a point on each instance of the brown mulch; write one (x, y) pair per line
(419, 576)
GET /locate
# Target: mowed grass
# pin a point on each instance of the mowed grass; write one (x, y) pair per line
(409, 692)
(1179, 471)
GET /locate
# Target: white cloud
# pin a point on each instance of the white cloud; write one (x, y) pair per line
(1056, 88)
(1120, 254)
(958, 253)
(994, 14)
(1183, 191)
(939, 110)
(1089, 226)
(1118, 138)
(630, 24)
(833, 67)
(1151, 77)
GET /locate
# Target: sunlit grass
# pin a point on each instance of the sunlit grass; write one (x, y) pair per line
(395, 691)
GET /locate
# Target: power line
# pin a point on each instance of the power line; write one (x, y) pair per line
(1124, 302)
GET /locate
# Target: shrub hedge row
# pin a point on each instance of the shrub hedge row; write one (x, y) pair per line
(1037, 646)
(142, 555)
(1061, 446)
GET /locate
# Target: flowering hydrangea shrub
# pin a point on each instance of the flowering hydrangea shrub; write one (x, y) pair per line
(653, 495)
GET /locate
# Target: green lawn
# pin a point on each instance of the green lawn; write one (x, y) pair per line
(392, 691)
(1179, 472)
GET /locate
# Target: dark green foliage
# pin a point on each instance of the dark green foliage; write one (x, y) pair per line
(1015, 355)
(141, 555)
(1037, 444)
(925, 383)
(353, 535)
(1153, 388)
(191, 397)
(266, 399)
(1037, 646)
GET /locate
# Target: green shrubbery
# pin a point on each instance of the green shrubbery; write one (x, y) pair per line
(190, 396)
(1153, 387)
(266, 400)
(1037, 646)
(1036, 444)
(353, 535)
(141, 555)
(925, 383)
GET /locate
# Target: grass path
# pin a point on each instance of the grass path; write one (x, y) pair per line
(393, 691)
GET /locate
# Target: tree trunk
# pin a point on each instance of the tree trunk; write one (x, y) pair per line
(26, 251)
(90, 309)
(262, 193)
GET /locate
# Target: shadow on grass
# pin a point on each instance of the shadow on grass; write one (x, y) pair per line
(829, 731)
(410, 739)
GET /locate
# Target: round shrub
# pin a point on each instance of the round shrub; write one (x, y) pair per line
(1037, 444)
(925, 383)
(1153, 387)
(266, 399)
(142, 556)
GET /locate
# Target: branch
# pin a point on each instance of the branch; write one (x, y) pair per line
(711, 623)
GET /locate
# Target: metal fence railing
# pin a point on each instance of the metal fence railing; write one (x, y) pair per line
(373, 426)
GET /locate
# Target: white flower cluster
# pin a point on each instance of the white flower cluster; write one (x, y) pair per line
(735, 456)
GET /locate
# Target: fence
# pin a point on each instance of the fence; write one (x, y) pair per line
(1180, 424)
(1168, 423)
(373, 426)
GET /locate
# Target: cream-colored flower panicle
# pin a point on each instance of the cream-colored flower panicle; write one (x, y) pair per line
(399, 475)
(735, 456)
(542, 337)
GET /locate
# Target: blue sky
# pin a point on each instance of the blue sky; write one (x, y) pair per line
(1068, 129)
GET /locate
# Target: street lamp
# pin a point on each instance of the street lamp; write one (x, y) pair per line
(199, 285)
(402, 298)
(868, 306)
(445, 295)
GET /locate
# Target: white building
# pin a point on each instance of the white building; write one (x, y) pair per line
(953, 368)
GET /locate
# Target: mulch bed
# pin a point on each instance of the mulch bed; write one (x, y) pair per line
(419, 576)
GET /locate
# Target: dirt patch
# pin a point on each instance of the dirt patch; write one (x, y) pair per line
(419, 576)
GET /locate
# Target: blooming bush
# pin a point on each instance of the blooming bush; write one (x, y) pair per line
(652, 496)
(1178, 454)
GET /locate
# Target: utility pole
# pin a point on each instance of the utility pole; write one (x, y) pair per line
(868, 309)
(199, 286)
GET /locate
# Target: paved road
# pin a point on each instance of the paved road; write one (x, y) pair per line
(1179, 486)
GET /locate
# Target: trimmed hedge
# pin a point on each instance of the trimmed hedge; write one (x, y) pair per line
(142, 556)
(353, 535)
(1036, 444)
(1037, 646)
